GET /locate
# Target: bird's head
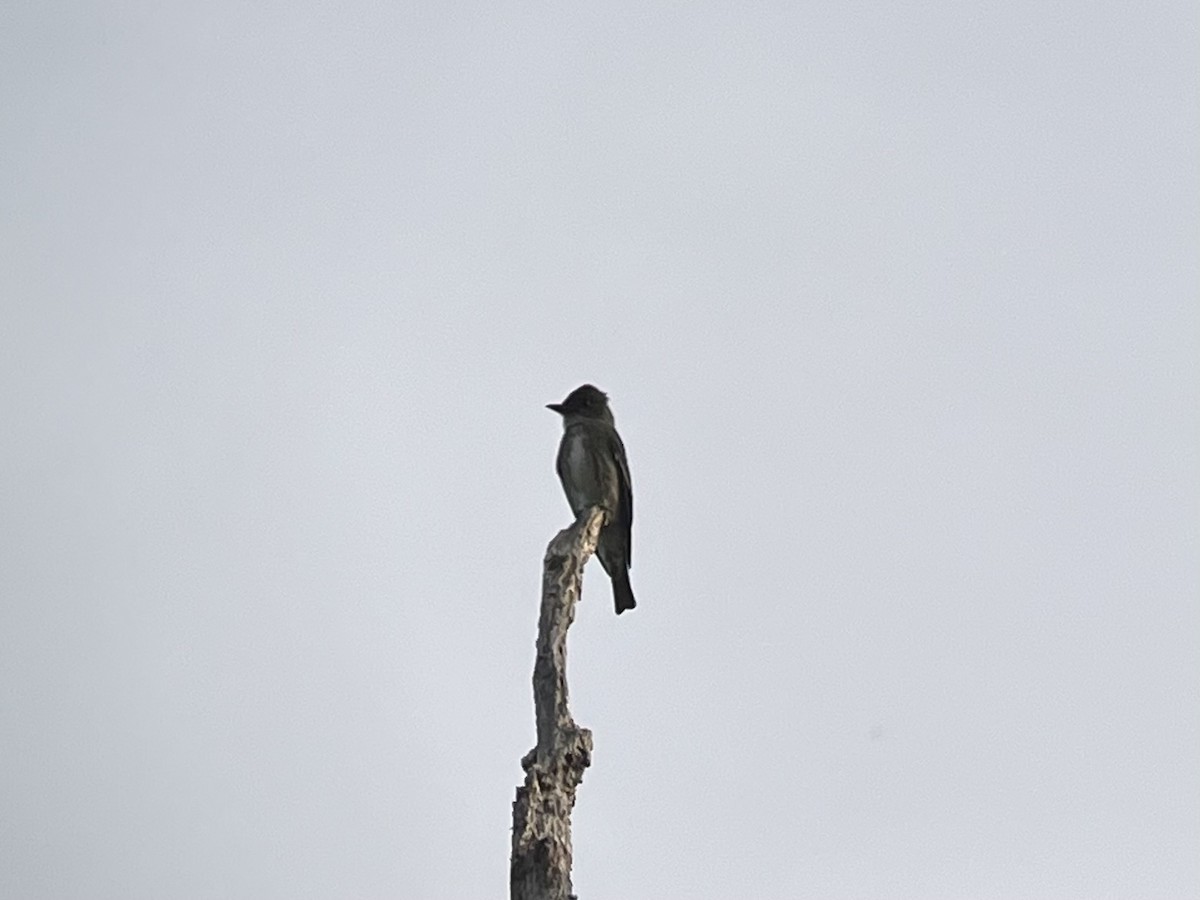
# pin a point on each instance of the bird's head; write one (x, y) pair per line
(586, 401)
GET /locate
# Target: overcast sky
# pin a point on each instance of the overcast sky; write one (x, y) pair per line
(898, 306)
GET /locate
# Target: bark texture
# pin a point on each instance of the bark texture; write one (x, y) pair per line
(541, 843)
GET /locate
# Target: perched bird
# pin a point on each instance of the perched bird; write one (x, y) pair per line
(593, 471)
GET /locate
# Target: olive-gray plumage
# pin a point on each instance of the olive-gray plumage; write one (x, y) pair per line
(594, 472)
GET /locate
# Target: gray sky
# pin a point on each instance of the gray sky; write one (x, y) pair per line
(898, 310)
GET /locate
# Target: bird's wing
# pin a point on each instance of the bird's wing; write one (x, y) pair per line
(624, 494)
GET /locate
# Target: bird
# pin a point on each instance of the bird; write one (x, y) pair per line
(594, 472)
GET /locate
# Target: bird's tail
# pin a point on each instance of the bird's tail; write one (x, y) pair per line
(622, 591)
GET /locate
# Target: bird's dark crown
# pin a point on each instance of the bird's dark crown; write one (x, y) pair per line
(585, 400)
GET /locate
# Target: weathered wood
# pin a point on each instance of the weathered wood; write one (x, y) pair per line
(541, 844)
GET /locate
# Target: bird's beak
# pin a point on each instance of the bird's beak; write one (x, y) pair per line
(557, 407)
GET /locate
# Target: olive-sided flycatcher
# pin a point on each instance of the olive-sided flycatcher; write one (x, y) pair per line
(593, 472)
